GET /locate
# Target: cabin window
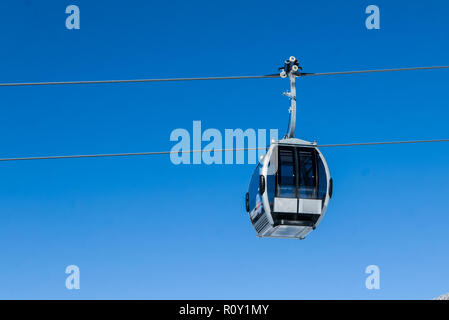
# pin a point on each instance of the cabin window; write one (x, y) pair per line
(271, 185)
(301, 174)
(286, 173)
(322, 180)
(254, 187)
(307, 173)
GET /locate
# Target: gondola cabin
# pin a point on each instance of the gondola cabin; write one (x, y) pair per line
(289, 191)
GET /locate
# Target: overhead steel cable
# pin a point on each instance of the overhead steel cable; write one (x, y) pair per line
(23, 84)
(371, 71)
(380, 143)
(110, 155)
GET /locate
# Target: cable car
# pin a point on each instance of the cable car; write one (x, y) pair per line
(290, 188)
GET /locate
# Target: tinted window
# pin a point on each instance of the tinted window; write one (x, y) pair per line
(287, 173)
(271, 186)
(254, 188)
(307, 173)
(322, 179)
(301, 173)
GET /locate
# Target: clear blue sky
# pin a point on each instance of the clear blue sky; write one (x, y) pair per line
(145, 228)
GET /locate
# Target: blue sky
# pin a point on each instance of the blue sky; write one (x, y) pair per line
(145, 228)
